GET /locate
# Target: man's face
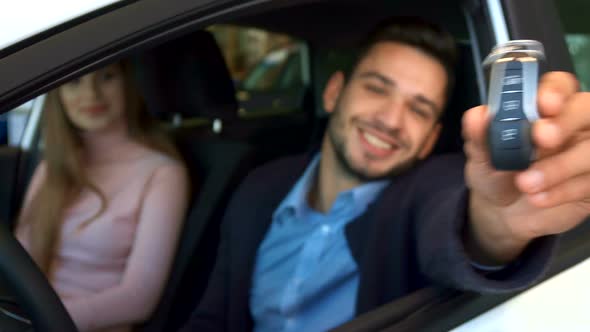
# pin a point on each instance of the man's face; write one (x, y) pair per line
(385, 116)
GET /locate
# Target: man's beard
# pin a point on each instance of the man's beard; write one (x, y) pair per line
(337, 140)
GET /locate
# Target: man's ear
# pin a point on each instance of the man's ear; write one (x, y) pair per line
(430, 142)
(332, 91)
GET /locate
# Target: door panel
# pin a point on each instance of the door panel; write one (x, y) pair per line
(544, 25)
(9, 161)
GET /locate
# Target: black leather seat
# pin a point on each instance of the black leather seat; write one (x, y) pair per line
(187, 82)
(464, 96)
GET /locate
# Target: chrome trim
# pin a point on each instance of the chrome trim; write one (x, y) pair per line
(480, 78)
(498, 21)
(533, 50)
(15, 316)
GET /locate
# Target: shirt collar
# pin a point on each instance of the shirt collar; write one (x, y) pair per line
(367, 193)
(295, 202)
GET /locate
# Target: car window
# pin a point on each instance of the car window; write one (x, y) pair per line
(268, 69)
(279, 69)
(13, 123)
(577, 36)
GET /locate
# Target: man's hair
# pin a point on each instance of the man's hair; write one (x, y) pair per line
(426, 36)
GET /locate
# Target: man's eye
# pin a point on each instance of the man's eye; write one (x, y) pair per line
(376, 89)
(420, 112)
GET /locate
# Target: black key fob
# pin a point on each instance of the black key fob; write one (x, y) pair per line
(512, 102)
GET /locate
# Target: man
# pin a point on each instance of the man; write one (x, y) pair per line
(310, 242)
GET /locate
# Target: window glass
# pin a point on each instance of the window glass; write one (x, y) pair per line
(13, 123)
(577, 36)
(267, 68)
(579, 48)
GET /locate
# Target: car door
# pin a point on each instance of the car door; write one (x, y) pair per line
(18, 156)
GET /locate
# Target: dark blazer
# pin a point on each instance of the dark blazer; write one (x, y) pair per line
(408, 238)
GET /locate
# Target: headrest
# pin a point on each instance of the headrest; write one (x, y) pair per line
(187, 77)
(464, 96)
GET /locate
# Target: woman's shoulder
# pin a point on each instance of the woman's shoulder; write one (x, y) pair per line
(166, 175)
(160, 162)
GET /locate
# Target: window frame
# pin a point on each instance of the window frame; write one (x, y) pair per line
(105, 38)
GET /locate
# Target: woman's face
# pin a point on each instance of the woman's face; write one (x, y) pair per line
(96, 101)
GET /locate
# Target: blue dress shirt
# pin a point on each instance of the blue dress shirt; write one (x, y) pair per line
(305, 278)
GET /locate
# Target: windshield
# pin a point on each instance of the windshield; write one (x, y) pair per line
(265, 75)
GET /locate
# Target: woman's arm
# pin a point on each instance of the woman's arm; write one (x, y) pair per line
(34, 186)
(160, 221)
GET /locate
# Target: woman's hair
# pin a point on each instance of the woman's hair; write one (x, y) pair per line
(65, 173)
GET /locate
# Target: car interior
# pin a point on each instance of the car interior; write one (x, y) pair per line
(187, 85)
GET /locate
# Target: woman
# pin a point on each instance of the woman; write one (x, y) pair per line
(104, 209)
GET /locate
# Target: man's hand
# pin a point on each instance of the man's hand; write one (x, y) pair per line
(509, 209)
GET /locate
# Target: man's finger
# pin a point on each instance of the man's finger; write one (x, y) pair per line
(554, 89)
(475, 122)
(476, 153)
(551, 171)
(572, 120)
(575, 190)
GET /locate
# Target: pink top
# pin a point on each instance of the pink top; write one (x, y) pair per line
(111, 273)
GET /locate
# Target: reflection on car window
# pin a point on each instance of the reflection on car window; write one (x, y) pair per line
(13, 123)
(280, 70)
(267, 68)
(579, 48)
(577, 36)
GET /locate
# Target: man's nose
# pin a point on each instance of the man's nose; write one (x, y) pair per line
(392, 114)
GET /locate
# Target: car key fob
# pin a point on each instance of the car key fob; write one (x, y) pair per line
(512, 102)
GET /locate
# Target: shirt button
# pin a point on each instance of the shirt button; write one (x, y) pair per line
(326, 229)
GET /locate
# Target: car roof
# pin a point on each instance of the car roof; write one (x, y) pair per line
(27, 18)
(341, 23)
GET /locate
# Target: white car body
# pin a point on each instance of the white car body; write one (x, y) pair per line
(26, 18)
